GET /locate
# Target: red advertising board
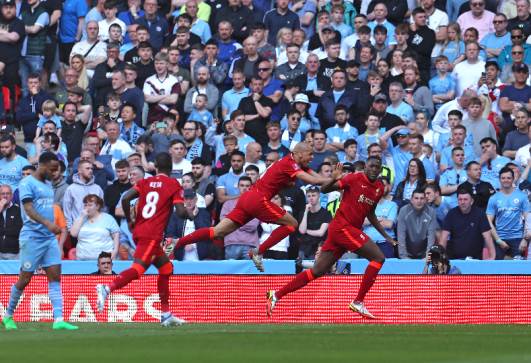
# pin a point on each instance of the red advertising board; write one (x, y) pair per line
(394, 299)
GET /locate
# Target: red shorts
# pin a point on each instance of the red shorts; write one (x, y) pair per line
(344, 238)
(148, 250)
(254, 205)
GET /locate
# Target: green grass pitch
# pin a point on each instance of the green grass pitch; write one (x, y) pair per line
(149, 343)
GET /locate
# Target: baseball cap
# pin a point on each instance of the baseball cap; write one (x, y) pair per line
(327, 27)
(520, 67)
(77, 90)
(301, 98)
(189, 194)
(380, 97)
(404, 131)
(313, 188)
(9, 2)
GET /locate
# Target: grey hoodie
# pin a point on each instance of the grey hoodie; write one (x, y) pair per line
(415, 231)
(73, 198)
(59, 190)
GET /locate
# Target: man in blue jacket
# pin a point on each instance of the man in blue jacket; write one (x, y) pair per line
(30, 107)
(179, 227)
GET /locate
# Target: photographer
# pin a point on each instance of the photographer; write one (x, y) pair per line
(437, 263)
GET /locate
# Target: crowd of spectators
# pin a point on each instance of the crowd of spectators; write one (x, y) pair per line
(440, 90)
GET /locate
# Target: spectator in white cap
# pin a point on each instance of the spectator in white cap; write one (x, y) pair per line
(301, 103)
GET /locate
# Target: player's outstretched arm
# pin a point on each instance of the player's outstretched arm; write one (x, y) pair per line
(376, 223)
(126, 203)
(333, 183)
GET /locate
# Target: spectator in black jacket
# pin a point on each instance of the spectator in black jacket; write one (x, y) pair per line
(113, 192)
(103, 74)
(327, 103)
(179, 227)
(30, 107)
(239, 16)
(396, 10)
(313, 84)
(10, 224)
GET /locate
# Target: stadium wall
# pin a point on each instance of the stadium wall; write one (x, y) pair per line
(394, 299)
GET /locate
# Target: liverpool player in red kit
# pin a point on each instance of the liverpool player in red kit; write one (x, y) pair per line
(256, 203)
(157, 196)
(361, 193)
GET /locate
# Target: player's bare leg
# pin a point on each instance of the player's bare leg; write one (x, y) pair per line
(165, 267)
(16, 292)
(376, 260)
(288, 224)
(53, 273)
(323, 263)
(215, 234)
(136, 270)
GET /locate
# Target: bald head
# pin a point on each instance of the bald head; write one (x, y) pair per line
(302, 147)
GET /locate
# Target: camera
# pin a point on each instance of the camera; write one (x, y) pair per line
(439, 264)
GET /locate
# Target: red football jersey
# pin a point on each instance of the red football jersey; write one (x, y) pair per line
(278, 176)
(157, 195)
(360, 196)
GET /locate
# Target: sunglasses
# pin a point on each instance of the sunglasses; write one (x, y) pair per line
(517, 36)
(517, 52)
(263, 69)
(477, 4)
(498, 21)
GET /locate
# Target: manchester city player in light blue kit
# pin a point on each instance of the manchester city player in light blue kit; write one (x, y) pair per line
(38, 246)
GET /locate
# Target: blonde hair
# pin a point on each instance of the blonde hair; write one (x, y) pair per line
(83, 80)
(49, 105)
(281, 32)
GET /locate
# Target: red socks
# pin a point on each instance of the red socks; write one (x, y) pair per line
(163, 287)
(298, 282)
(368, 279)
(276, 236)
(124, 278)
(202, 234)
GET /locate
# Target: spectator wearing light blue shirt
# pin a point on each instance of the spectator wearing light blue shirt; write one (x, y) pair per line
(338, 23)
(454, 176)
(199, 111)
(496, 41)
(387, 212)
(401, 156)
(340, 132)
(398, 107)
(507, 210)
(380, 18)
(199, 27)
(491, 162)
(11, 164)
(232, 97)
(440, 204)
(458, 139)
(227, 184)
(374, 134)
(71, 27)
(442, 86)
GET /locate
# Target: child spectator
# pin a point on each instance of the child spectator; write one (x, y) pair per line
(49, 113)
(442, 86)
(199, 111)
